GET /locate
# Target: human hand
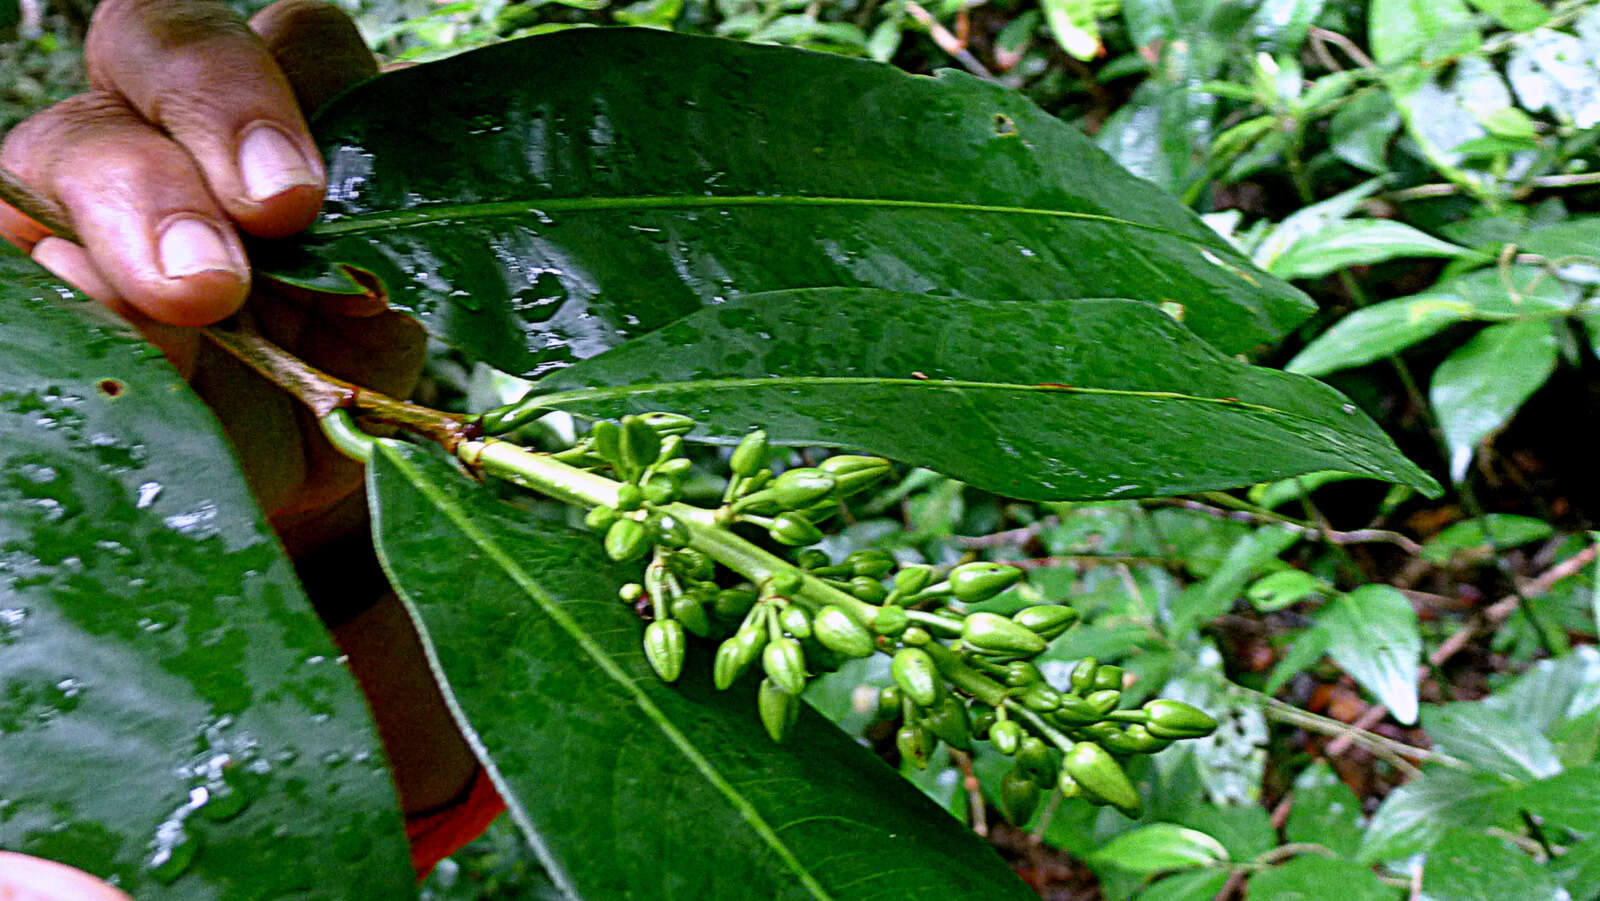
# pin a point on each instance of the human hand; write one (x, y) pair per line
(193, 133)
(24, 878)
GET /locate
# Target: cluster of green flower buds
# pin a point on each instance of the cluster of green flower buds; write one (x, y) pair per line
(959, 674)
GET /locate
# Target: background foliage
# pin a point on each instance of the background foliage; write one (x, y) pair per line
(1423, 170)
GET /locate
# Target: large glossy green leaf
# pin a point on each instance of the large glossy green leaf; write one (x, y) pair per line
(167, 690)
(1416, 814)
(548, 198)
(630, 788)
(1477, 389)
(1045, 400)
(1491, 740)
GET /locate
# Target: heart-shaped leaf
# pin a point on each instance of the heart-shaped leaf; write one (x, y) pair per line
(1041, 400)
(629, 788)
(546, 199)
(173, 714)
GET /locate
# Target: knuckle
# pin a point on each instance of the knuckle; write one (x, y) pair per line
(36, 147)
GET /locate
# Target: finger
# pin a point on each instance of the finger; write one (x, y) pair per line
(152, 229)
(196, 70)
(24, 878)
(317, 46)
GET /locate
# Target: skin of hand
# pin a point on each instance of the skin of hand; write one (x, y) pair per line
(24, 878)
(192, 133)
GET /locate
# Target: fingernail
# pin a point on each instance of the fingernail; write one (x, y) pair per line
(271, 164)
(190, 246)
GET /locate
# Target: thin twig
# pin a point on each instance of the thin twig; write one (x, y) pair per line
(1018, 536)
(1356, 54)
(35, 206)
(948, 42)
(1332, 536)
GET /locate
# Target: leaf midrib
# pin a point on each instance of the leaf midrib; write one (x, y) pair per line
(611, 392)
(450, 213)
(463, 521)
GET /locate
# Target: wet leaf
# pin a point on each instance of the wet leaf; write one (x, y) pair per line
(627, 787)
(1477, 389)
(545, 199)
(1112, 399)
(1372, 635)
(173, 714)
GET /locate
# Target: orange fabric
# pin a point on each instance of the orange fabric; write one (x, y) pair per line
(438, 835)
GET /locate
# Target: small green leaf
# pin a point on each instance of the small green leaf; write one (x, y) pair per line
(1160, 847)
(1312, 878)
(1372, 635)
(1073, 23)
(1494, 531)
(1357, 242)
(1359, 133)
(589, 748)
(1489, 740)
(1517, 15)
(1113, 399)
(1308, 647)
(1325, 811)
(1195, 885)
(1204, 601)
(1402, 30)
(1468, 866)
(1416, 814)
(1283, 589)
(1476, 390)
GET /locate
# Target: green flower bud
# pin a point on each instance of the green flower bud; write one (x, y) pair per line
(630, 497)
(911, 580)
(675, 470)
(917, 675)
(973, 583)
(630, 592)
(868, 589)
(735, 655)
(800, 487)
(666, 424)
(890, 621)
(785, 665)
(916, 745)
(1047, 620)
(873, 564)
(1136, 739)
(1104, 700)
(1175, 719)
(639, 445)
(1108, 677)
(796, 621)
(778, 708)
(692, 564)
(606, 436)
(1100, 774)
(626, 540)
(1082, 677)
(1021, 672)
(600, 518)
(1075, 711)
(663, 647)
(889, 702)
(811, 558)
(916, 636)
(1019, 797)
(949, 721)
(1006, 735)
(785, 582)
(660, 489)
(751, 455)
(983, 719)
(994, 633)
(1068, 786)
(669, 530)
(1041, 698)
(794, 530)
(853, 474)
(835, 628)
(1036, 759)
(690, 611)
(733, 603)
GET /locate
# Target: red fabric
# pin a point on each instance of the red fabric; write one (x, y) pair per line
(438, 835)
